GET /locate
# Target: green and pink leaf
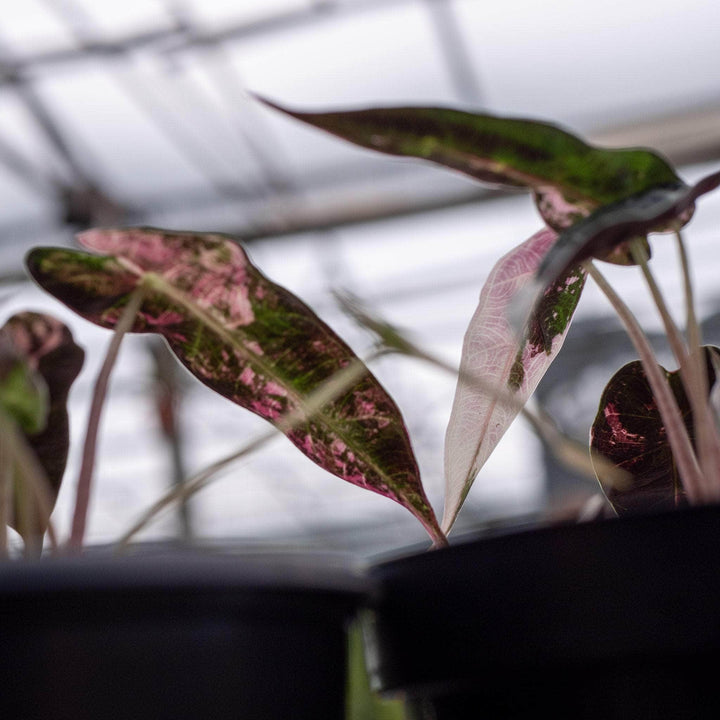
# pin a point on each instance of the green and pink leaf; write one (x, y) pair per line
(499, 370)
(655, 209)
(569, 177)
(248, 339)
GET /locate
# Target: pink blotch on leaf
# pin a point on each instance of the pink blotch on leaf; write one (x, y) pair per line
(147, 249)
(620, 432)
(247, 376)
(338, 447)
(168, 317)
(272, 388)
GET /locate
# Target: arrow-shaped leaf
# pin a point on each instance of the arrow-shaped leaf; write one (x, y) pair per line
(569, 177)
(629, 432)
(49, 353)
(498, 373)
(246, 338)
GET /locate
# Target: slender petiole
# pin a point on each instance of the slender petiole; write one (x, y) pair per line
(6, 483)
(692, 371)
(706, 426)
(693, 327)
(82, 498)
(677, 434)
(333, 388)
(675, 338)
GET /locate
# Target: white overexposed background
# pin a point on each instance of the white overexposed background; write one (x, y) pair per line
(169, 130)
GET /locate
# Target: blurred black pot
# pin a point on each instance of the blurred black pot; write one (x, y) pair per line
(610, 619)
(175, 635)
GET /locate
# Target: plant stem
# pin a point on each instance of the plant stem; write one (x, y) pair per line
(692, 325)
(677, 344)
(693, 371)
(17, 456)
(33, 474)
(703, 414)
(667, 405)
(6, 483)
(82, 498)
(569, 452)
(331, 389)
(189, 487)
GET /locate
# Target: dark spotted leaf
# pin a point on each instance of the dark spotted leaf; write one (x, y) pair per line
(569, 177)
(629, 432)
(498, 370)
(246, 338)
(50, 355)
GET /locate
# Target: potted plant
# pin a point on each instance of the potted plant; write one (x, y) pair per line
(654, 444)
(167, 632)
(164, 631)
(613, 618)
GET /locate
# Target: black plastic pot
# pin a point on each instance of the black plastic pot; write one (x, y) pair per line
(611, 619)
(175, 636)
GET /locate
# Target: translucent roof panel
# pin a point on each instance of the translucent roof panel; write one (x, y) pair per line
(145, 112)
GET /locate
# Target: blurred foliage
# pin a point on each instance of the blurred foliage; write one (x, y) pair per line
(362, 702)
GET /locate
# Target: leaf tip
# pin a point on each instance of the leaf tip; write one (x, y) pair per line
(263, 100)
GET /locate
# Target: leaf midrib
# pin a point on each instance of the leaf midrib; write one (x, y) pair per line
(158, 283)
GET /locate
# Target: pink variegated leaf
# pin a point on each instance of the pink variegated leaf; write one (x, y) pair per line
(249, 340)
(43, 348)
(498, 371)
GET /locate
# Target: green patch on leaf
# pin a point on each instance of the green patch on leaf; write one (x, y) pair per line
(569, 177)
(248, 339)
(23, 395)
(549, 320)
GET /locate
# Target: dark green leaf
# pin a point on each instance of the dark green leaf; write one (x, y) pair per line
(248, 339)
(569, 177)
(629, 432)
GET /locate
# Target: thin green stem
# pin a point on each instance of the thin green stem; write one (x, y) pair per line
(667, 405)
(33, 475)
(693, 327)
(315, 402)
(188, 488)
(82, 498)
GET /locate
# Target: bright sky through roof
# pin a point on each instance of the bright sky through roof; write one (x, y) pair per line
(170, 121)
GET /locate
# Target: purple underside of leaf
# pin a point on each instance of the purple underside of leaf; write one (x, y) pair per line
(629, 432)
(48, 348)
(494, 357)
(611, 226)
(606, 232)
(248, 339)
